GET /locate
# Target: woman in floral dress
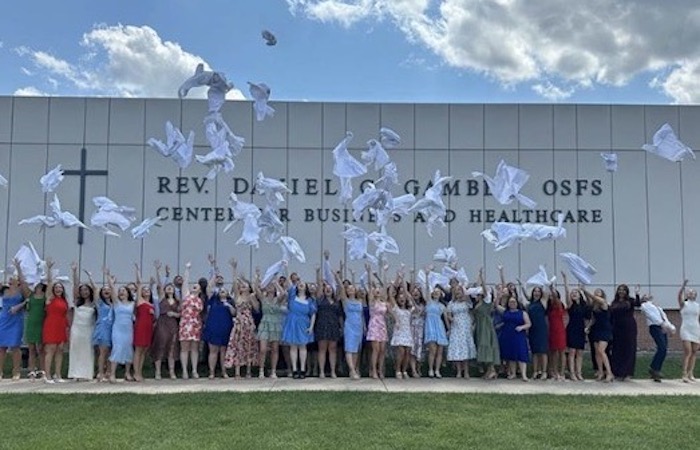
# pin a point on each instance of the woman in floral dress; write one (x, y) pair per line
(242, 347)
(190, 332)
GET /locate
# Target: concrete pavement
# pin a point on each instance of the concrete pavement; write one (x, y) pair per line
(389, 385)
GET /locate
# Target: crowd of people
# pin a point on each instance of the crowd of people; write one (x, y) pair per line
(313, 324)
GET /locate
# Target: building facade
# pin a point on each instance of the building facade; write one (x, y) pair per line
(636, 226)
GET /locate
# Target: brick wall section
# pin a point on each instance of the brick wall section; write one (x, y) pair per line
(644, 340)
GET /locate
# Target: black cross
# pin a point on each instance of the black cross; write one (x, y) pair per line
(83, 173)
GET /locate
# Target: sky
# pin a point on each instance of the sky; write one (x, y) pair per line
(413, 51)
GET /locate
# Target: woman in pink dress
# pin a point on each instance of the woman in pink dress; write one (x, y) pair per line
(190, 332)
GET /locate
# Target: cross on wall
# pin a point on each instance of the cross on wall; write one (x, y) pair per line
(83, 173)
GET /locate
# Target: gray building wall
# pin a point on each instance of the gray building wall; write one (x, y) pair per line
(647, 212)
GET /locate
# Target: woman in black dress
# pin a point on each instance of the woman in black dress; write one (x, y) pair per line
(624, 331)
(329, 327)
(600, 333)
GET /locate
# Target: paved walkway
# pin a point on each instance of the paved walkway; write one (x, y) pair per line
(391, 385)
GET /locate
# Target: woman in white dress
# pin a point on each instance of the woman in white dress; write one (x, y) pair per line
(690, 330)
(81, 356)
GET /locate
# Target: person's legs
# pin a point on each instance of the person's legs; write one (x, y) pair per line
(693, 355)
(184, 358)
(322, 350)
(302, 360)
(58, 361)
(661, 341)
(194, 356)
(263, 356)
(294, 357)
(438, 361)
(274, 358)
(212, 358)
(432, 351)
(333, 357)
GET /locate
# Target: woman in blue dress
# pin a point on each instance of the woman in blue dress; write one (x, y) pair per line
(514, 338)
(122, 331)
(299, 325)
(435, 335)
(102, 336)
(12, 320)
(353, 326)
(217, 329)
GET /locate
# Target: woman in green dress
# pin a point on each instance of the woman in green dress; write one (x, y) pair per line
(32, 330)
(487, 350)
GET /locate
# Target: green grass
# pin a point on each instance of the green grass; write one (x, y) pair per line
(291, 420)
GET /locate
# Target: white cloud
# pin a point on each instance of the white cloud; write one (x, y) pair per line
(29, 91)
(125, 61)
(552, 92)
(586, 42)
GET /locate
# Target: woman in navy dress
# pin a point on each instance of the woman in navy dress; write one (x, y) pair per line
(329, 328)
(539, 332)
(217, 329)
(299, 325)
(624, 331)
(575, 330)
(600, 333)
(514, 338)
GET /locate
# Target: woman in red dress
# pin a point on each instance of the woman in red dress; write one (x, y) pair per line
(55, 328)
(557, 335)
(143, 325)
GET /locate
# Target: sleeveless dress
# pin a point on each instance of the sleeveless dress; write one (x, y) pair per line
(601, 330)
(102, 336)
(123, 333)
(217, 328)
(575, 329)
(402, 336)
(538, 334)
(690, 327)
(11, 325)
(461, 345)
(242, 346)
(81, 355)
(34, 321)
(191, 319)
(376, 330)
(513, 342)
(165, 333)
(557, 330)
(487, 348)
(298, 320)
(273, 318)
(352, 328)
(434, 326)
(328, 319)
(55, 329)
(143, 326)
(417, 331)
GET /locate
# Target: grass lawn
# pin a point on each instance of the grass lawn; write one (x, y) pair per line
(290, 420)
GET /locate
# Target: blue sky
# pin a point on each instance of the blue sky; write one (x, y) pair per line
(359, 50)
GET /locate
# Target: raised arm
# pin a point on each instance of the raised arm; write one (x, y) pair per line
(137, 274)
(157, 265)
(23, 286)
(681, 294)
(567, 301)
(111, 282)
(75, 278)
(213, 271)
(341, 287)
(500, 273)
(186, 281)
(91, 283)
(49, 278)
(234, 272)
